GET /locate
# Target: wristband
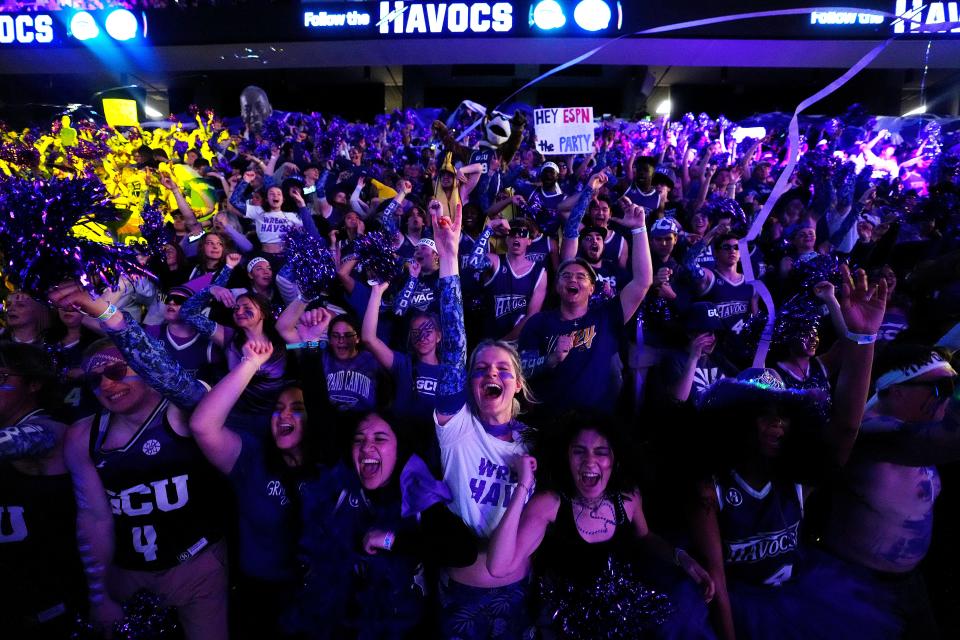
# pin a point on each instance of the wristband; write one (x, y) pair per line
(388, 541)
(638, 230)
(108, 313)
(862, 338)
(309, 344)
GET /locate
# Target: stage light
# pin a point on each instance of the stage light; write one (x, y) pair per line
(83, 26)
(122, 25)
(548, 14)
(919, 111)
(664, 108)
(151, 112)
(592, 15)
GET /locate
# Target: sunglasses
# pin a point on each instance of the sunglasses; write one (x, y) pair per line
(730, 247)
(942, 388)
(115, 372)
(177, 300)
(520, 232)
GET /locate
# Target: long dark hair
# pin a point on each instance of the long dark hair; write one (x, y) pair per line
(269, 325)
(552, 444)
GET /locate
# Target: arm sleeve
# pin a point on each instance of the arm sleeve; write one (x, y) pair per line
(191, 311)
(402, 303)
(236, 198)
(151, 360)
(690, 260)
(388, 218)
(451, 387)
(26, 440)
(571, 228)
(478, 255)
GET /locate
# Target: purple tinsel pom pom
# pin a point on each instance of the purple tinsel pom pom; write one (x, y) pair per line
(36, 241)
(310, 263)
(376, 256)
(797, 320)
(719, 207)
(818, 268)
(153, 230)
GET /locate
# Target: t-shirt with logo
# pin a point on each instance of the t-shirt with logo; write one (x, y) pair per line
(478, 469)
(589, 377)
(267, 517)
(415, 388)
(759, 530)
(352, 384)
(272, 226)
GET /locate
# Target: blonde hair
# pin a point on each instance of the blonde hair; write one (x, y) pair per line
(517, 367)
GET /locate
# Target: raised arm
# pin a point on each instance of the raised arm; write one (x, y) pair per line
(632, 295)
(189, 217)
(368, 332)
(148, 357)
(571, 227)
(521, 529)
(863, 307)
(452, 383)
(192, 310)
(219, 444)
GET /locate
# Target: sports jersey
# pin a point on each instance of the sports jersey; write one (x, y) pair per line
(816, 378)
(478, 469)
(194, 354)
(546, 209)
(539, 249)
(613, 244)
(733, 300)
(78, 401)
(509, 296)
(39, 561)
(587, 378)
(166, 499)
(760, 530)
(649, 200)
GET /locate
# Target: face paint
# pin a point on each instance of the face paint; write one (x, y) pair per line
(506, 375)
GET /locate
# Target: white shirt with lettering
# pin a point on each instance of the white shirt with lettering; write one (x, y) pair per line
(478, 468)
(272, 226)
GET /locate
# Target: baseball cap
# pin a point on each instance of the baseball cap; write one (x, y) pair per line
(664, 226)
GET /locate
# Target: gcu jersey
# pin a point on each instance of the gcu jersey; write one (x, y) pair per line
(732, 301)
(760, 529)
(162, 491)
(539, 250)
(509, 296)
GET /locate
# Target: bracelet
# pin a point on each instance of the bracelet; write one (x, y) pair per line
(638, 230)
(862, 338)
(388, 541)
(108, 313)
(676, 556)
(309, 344)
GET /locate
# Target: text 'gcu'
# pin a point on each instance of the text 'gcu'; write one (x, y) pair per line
(141, 499)
(13, 528)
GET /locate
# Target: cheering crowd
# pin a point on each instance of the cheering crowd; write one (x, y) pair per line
(394, 380)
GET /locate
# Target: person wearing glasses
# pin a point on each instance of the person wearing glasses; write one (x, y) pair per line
(882, 515)
(150, 509)
(516, 286)
(576, 347)
(42, 586)
(194, 351)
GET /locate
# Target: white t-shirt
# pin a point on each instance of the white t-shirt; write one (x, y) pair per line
(272, 226)
(478, 468)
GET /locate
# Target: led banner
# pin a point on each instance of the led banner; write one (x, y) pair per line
(148, 22)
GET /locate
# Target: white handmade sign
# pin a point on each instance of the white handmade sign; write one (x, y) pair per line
(564, 130)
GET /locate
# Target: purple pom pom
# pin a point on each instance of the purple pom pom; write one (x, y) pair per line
(36, 241)
(376, 256)
(818, 268)
(20, 153)
(153, 230)
(309, 262)
(718, 208)
(797, 320)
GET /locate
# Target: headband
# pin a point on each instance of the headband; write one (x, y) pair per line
(427, 242)
(935, 362)
(105, 358)
(253, 263)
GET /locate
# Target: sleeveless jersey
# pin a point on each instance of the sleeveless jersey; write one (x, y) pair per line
(760, 530)
(648, 201)
(539, 250)
(509, 296)
(38, 545)
(612, 246)
(732, 301)
(165, 497)
(546, 207)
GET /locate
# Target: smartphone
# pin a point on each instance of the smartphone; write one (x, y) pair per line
(308, 190)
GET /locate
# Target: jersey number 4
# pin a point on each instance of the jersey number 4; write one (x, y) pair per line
(145, 541)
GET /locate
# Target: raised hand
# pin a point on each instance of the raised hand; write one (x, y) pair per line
(633, 217)
(314, 324)
(526, 467)
(223, 296)
(446, 232)
(597, 180)
(72, 297)
(499, 226)
(257, 351)
(862, 304)
(233, 259)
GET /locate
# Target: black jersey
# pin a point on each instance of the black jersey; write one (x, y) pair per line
(167, 500)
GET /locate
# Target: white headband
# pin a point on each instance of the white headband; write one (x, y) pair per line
(904, 374)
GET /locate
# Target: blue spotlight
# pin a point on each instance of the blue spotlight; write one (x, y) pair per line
(83, 26)
(592, 15)
(122, 25)
(547, 15)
